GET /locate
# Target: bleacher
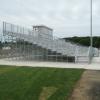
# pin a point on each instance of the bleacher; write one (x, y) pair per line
(68, 49)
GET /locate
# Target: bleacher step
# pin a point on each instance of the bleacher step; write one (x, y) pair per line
(96, 60)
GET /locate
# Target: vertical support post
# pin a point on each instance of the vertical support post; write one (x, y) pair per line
(91, 31)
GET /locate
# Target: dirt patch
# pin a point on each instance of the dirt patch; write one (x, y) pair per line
(95, 91)
(47, 92)
(88, 88)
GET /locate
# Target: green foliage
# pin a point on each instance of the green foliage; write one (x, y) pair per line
(1, 45)
(85, 41)
(26, 83)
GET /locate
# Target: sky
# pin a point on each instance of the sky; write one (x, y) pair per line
(67, 17)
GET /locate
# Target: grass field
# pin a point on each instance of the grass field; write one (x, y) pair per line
(25, 83)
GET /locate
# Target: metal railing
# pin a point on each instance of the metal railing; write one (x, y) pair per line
(25, 42)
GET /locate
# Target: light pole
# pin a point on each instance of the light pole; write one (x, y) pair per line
(91, 31)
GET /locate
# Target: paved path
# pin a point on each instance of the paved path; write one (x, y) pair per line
(88, 88)
(51, 64)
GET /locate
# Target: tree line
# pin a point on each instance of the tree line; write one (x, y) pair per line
(84, 41)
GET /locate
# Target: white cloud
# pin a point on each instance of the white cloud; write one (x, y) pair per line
(66, 17)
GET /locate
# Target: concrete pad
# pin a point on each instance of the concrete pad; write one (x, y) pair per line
(51, 64)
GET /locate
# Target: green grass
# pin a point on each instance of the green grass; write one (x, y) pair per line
(24, 83)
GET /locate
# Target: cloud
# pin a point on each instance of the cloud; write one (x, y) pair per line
(66, 17)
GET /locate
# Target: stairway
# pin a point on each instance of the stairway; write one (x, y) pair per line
(96, 60)
(82, 59)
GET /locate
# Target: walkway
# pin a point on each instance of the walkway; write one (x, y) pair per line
(88, 88)
(95, 66)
